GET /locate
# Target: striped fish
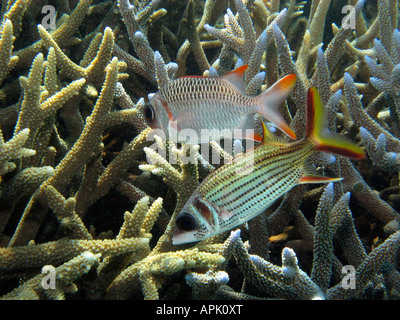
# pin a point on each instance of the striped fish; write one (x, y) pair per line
(187, 105)
(247, 185)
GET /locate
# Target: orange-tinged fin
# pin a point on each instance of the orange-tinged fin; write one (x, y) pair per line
(310, 175)
(247, 134)
(316, 126)
(254, 136)
(286, 129)
(235, 78)
(286, 83)
(238, 72)
(270, 100)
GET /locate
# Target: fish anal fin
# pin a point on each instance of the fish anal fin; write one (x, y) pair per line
(235, 78)
(247, 134)
(310, 175)
(286, 83)
(317, 179)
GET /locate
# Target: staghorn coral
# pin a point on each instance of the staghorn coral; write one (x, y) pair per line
(84, 184)
(13, 149)
(66, 274)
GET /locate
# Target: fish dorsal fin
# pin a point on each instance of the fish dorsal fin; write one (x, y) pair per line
(235, 78)
(316, 130)
(269, 138)
(310, 175)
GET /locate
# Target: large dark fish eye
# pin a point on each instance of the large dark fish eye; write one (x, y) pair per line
(186, 222)
(149, 113)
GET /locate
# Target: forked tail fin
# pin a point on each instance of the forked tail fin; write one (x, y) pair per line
(271, 98)
(316, 131)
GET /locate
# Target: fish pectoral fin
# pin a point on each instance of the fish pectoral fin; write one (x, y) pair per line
(225, 214)
(175, 125)
(235, 78)
(310, 175)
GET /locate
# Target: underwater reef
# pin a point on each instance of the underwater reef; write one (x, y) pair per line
(86, 193)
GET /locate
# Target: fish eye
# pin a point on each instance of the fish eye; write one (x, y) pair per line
(149, 113)
(186, 222)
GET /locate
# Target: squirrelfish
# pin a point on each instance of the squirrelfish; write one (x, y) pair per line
(193, 106)
(229, 197)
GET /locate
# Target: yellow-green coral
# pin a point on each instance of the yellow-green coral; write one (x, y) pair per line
(65, 274)
(154, 270)
(7, 62)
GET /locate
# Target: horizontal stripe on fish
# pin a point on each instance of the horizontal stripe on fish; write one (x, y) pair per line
(269, 183)
(249, 183)
(263, 162)
(267, 180)
(258, 185)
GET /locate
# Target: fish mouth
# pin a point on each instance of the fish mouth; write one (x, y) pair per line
(181, 237)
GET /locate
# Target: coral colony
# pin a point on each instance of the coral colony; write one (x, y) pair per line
(90, 193)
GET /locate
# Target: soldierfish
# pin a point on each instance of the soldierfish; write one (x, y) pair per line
(226, 199)
(190, 104)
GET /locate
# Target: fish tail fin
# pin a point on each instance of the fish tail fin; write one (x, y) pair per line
(316, 131)
(271, 98)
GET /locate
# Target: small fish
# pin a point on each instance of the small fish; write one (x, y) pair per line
(226, 198)
(187, 105)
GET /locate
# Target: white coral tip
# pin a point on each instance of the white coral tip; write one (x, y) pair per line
(139, 34)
